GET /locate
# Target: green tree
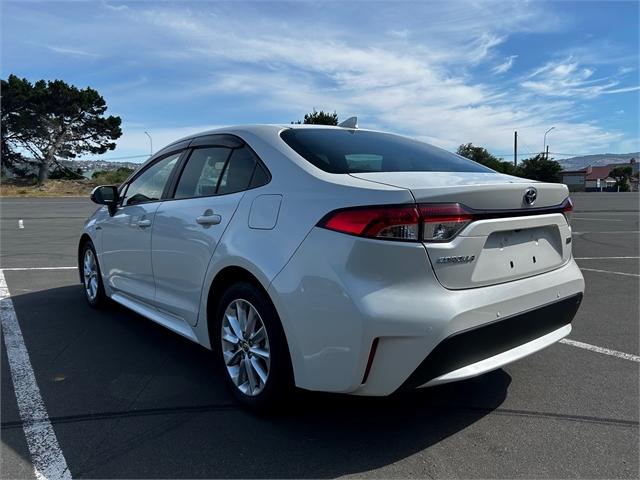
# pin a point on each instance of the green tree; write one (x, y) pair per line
(49, 120)
(482, 156)
(14, 102)
(319, 118)
(621, 174)
(540, 168)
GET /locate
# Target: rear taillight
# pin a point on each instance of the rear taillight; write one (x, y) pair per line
(431, 222)
(567, 209)
(437, 222)
(392, 223)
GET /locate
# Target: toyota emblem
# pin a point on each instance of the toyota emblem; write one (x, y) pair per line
(530, 196)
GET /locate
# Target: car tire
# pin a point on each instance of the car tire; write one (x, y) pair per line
(91, 277)
(241, 349)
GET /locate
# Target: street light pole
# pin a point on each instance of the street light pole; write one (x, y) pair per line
(150, 143)
(544, 143)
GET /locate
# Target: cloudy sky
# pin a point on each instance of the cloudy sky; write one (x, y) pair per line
(447, 72)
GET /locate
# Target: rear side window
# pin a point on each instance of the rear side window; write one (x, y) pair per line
(237, 176)
(357, 151)
(202, 172)
(260, 176)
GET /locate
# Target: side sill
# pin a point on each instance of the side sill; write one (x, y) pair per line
(172, 323)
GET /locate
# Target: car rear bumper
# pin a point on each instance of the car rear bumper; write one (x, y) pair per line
(501, 359)
(339, 293)
(492, 345)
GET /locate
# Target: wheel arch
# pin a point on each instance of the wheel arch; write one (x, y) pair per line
(84, 238)
(226, 277)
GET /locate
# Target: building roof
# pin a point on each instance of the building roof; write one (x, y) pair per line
(599, 172)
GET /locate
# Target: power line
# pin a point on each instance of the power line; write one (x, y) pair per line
(550, 153)
(98, 159)
(511, 154)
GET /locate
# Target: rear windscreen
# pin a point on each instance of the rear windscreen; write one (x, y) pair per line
(356, 151)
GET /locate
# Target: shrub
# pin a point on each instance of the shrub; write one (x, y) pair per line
(111, 177)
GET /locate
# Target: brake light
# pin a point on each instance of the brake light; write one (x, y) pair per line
(393, 223)
(438, 222)
(567, 209)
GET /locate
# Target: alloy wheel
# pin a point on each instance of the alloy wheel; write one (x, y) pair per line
(245, 347)
(90, 275)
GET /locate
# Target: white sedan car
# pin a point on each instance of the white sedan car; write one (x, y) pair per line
(335, 259)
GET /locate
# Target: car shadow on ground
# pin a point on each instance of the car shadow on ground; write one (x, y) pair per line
(128, 398)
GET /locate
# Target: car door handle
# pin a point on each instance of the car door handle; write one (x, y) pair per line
(144, 223)
(209, 218)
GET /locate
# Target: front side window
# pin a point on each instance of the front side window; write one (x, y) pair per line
(202, 172)
(337, 150)
(149, 185)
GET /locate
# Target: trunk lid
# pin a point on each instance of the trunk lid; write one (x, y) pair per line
(480, 191)
(509, 241)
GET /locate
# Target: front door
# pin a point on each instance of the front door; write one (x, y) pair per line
(126, 237)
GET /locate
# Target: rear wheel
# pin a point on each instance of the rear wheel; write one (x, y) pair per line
(91, 278)
(252, 348)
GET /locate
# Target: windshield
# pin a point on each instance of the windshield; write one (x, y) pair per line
(357, 151)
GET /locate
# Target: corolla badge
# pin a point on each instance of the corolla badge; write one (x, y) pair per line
(458, 259)
(530, 196)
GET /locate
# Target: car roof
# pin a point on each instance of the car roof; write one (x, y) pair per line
(257, 129)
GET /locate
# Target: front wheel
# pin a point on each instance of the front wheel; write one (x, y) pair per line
(91, 278)
(252, 348)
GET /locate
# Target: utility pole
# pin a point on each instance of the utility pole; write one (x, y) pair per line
(515, 149)
(544, 143)
(150, 143)
(547, 152)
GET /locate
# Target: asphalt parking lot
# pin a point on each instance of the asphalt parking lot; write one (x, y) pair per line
(128, 399)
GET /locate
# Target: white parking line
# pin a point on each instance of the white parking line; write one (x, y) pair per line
(46, 456)
(602, 212)
(603, 258)
(20, 223)
(21, 269)
(610, 271)
(573, 217)
(609, 232)
(606, 351)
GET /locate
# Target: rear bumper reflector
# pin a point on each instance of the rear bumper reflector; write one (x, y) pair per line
(372, 354)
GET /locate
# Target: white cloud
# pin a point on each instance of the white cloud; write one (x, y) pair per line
(569, 78)
(72, 51)
(404, 33)
(625, 70)
(505, 66)
(116, 8)
(622, 90)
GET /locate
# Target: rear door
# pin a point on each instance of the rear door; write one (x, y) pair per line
(188, 227)
(126, 236)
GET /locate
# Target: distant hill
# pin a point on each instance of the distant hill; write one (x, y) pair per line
(577, 163)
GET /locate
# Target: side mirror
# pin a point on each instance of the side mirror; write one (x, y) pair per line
(106, 195)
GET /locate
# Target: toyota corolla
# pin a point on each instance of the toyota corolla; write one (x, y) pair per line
(335, 259)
